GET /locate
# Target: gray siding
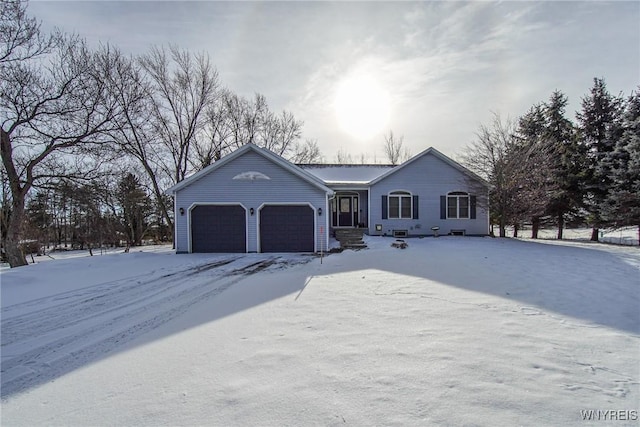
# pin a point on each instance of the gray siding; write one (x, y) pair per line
(220, 187)
(428, 177)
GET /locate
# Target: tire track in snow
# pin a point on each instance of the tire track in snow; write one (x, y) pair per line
(101, 299)
(29, 362)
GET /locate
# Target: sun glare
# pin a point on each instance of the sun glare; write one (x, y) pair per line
(362, 106)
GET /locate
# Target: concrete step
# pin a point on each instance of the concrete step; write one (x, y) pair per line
(349, 233)
(353, 246)
(351, 242)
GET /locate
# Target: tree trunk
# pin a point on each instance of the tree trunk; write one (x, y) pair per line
(158, 193)
(14, 253)
(515, 230)
(594, 234)
(503, 229)
(15, 257)
(560, 225)
(535, 226)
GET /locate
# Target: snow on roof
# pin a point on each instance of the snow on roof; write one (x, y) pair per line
(347, 174)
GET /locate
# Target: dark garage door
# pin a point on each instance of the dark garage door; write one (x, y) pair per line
(286, 229)
(218, 229)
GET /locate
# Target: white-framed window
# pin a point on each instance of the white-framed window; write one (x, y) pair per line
(400, 205)
(458, 205)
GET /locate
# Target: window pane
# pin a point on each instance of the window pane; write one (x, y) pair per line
(452, 207)
(394, 207)
(345, 205)
(406, 207)
(464, 207)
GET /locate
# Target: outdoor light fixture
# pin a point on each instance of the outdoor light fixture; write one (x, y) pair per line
(378, 227)
(181, 211)
(319, 211)
(251, 211)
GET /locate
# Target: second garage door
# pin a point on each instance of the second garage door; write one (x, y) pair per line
(218, 229)
(287, 228)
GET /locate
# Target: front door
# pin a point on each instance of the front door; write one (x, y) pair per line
(345, 211)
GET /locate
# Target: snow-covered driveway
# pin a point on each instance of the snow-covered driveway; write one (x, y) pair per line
(450, 331)
(48, 336)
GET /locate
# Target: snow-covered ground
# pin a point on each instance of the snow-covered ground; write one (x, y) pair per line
(627, 236)
(450, 331)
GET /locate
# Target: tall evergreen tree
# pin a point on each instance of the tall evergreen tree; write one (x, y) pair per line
(532, 134)
(39, 217)
(622, 205)
(136, 208)
(569, 161)
(600, 127)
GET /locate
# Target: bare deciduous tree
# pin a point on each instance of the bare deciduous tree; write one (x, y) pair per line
(52, 103)
(20, 35)
(184, 86)
(233, 121)
(343, 158)
(394, 150)
(307, 152)
(133, 134)
(519, 173)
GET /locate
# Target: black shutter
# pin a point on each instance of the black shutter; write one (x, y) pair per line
(443, 207)
(384, 207)
(415, 207)
(473, 207)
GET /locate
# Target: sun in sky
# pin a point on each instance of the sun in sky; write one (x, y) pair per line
(362, 106)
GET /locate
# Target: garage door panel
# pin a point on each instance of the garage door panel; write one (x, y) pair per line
(218, 229)
(287, 229)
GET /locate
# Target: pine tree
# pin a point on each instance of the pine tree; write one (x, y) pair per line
(622, 205)
(600, 128)
(532, 136)
(136, 208)
(39, 218)
(570, 159)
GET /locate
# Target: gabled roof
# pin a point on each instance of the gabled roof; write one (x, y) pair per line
(440, 156)
(346, 174)
(269, 155)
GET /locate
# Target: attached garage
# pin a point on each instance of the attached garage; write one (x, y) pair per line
(287, 228)
(218, 228)
(249, 201)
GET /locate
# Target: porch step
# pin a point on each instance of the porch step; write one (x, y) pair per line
(349, 233)
(360, 245)
(350, 238)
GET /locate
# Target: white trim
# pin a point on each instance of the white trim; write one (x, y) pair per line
(196, 204)
(369, 211)
(487, 213)
(315, 221)
(458, 196)
(269, 155)
(327, 217)
(351, 194)
(407, 194)
(176, 214)
(438, 155)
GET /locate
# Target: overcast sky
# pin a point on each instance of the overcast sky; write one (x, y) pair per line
(439, 68)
